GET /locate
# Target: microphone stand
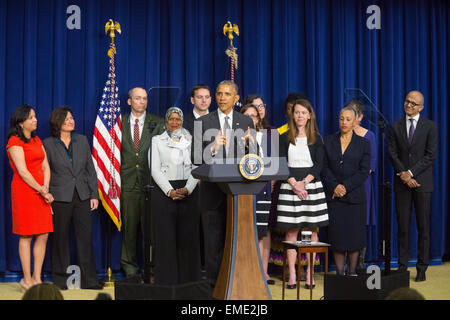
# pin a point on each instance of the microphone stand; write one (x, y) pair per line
(148, 225)
(387, 201)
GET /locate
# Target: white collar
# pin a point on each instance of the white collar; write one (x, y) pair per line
(196, 115)
(223, 115)
(416, 118)
(141, 118)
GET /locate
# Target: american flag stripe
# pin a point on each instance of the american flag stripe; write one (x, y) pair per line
(103, 174)
(105, 150)
(107, 144)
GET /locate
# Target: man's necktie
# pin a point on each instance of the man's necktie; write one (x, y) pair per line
(411, 130)
(136, 134)
(227, 132)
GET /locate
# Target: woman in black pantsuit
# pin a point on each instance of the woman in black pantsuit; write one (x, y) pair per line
(345, 169)
(175, 215)
(73, 184)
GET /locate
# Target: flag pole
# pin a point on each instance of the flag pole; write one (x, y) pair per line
(112, 193)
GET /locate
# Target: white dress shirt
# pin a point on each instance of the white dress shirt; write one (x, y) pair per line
(140, 123)
(172, 161)
(222, 119)
(408, 123)
(196, 115)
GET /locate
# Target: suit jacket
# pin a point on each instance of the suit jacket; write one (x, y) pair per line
(316, 151)
(188, 122)
(350, 169)
(211, 195)
(134, 164)
(418, 156)
(66, 176)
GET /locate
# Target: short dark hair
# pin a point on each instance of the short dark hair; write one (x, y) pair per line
(293, 96)
(57, 119)
(20, 114)
(249, 99)
(198, 87)
(229, 83)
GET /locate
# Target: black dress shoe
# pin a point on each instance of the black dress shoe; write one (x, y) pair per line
(308, 287)
(402, 269)
(270, 281)
(420, 276)
(291, 286)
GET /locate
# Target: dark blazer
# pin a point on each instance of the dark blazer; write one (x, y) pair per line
(418, 156)
(211, 195)
(350, 169)
(316, 151)
(188, 122)
(65, 176)
(134, 164)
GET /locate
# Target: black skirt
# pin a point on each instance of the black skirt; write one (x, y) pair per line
(347, 228)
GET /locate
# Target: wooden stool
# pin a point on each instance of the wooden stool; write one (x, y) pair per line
(308, 248)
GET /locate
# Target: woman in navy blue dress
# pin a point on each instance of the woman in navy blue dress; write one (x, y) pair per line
(346, 167)
(371, 220)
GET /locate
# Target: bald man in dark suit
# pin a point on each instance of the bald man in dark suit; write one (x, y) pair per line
(413, 144)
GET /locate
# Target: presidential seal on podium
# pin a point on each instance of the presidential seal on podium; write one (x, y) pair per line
(251, 166)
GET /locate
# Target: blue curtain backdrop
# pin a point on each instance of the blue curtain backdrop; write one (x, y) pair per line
(316, 47)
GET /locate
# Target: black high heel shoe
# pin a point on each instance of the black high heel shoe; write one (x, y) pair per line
(307, 286)
(291, 286)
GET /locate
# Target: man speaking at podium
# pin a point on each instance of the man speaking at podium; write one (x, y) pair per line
(216, 139)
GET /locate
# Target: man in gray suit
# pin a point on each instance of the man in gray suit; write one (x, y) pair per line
(220, 145)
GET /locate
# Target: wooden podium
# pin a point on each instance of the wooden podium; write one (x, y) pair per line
(241, 275)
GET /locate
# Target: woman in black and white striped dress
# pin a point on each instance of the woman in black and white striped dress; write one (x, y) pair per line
(302, 203)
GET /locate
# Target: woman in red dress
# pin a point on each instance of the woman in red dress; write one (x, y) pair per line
(30, 199)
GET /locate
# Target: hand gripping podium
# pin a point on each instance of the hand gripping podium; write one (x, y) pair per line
(241, 275)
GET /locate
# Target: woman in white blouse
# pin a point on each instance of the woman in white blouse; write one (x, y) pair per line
(301, 202)
(175, 217)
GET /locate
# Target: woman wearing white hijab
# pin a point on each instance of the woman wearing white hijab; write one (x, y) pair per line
(175, 217)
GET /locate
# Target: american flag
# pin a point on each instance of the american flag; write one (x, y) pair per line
(106, 146)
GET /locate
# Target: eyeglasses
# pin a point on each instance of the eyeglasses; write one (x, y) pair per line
(175, 119)
(261, 106)
(412, 103)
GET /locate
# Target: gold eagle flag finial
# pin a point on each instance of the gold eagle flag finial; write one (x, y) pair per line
(112, 26)
(230, 28)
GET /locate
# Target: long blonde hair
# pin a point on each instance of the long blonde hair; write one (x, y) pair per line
(311, 128)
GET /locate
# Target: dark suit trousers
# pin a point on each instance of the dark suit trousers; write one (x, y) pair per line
(404, 199)
(177, 237)
(214, 232)
(134, 218)
(77, 212)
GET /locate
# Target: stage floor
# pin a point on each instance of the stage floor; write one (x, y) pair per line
(436, 287)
